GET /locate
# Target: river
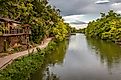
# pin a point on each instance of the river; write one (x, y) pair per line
(82, 59)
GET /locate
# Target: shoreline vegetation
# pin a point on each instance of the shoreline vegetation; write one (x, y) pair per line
(56, 57)
(22, 68)
(45, 22)
(44, 19)
(108, 27)
(4, 61)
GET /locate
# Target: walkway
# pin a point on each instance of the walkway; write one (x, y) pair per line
(4, 61)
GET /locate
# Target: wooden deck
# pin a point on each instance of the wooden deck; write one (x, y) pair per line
(15, 32)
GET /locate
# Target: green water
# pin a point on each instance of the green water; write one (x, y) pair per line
(82, 59)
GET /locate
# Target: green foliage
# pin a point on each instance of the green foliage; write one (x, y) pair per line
(55, 57)
(73, 30)
(42, 17)
(22, 68)
(108, 27)
(81, 30)
(60, 31)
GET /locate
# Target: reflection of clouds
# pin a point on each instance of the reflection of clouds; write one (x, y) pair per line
(81, 64)
(72, 44)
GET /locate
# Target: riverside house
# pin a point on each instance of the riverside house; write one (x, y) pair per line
(13, 33)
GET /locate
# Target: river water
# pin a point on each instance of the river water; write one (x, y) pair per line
(82, 59)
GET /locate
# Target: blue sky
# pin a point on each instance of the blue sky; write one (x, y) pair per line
(78, 11)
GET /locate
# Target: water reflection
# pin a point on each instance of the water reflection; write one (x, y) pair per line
(109, 53)
(84, 59)
(52, 59)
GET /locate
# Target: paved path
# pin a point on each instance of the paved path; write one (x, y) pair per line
(4, 61)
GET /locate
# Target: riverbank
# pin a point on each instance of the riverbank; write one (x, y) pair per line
(23, 67)
(84, 59)
(4, 61)
(56, 57)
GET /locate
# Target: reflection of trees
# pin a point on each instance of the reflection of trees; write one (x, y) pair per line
(51, 76)
(109, 53)
(56, 57)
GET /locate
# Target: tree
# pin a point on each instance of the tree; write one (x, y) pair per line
(42, 17)
(108, 27)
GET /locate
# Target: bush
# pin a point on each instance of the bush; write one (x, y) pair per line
(22, 68)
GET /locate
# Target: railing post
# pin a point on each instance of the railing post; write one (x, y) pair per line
(14, 32)
(10, 31)
(5, 45)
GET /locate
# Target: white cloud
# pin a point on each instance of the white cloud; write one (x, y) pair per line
(119, 12)
(73, 18)
(80, 18)
(102, 1)
(116, 4)
(79, 26)
(116, 7)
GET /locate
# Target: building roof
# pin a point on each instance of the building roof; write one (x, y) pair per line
(8, 20)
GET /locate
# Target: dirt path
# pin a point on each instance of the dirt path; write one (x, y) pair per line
(4, 61)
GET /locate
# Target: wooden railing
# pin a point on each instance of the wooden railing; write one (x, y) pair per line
(16, 31)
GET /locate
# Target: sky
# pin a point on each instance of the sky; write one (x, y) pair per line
(77, 12)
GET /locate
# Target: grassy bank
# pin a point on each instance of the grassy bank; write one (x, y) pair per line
(56, 57)
(22, 68)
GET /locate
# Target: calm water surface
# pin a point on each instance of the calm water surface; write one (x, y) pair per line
(82, 59)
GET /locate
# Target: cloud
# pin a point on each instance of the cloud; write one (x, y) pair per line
(119, 12)
(102, 1)
(116, 5)
(78, 11)
(116, 1)
(78, 22)
(78, 26)
(73, 18)
(80, 19)
(77, 7)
